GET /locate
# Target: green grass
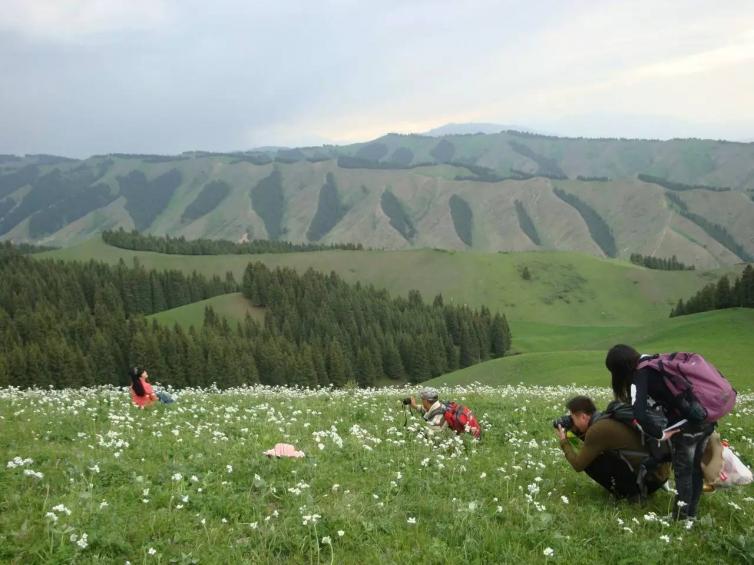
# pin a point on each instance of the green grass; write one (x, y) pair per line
(566, 288)
(233, 307)
(188, 483)
(576, 355)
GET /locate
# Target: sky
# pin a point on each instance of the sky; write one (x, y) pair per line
(161, 76)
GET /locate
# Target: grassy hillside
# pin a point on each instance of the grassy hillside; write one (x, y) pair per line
(492, 178)
(565, 288)
(234, 307)
(187, 483)
(723, 336)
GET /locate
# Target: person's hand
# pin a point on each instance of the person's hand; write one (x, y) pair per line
(667, 435)
(561, 433)
(413, 403)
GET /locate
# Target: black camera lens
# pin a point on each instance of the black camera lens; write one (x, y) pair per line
(406, 401)
(565, 422)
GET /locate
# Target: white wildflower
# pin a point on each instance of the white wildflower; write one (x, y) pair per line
(61, 508)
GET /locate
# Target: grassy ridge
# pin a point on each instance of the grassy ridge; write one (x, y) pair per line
(233, 306)
(566, 288)
(577, 355)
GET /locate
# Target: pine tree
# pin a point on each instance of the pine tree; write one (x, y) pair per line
(101, 353)
(723, 294)
(391, 362)
(337, 369)
(4, 373)
(498, 331)
(366, 373)
(747, 287)
(158, 295)
(469, 354)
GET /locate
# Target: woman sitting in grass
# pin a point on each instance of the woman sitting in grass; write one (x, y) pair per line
(142, 393)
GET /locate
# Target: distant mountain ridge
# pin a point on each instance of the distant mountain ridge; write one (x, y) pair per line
(472, 128)
(506, 191)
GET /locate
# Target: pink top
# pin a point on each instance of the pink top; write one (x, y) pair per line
(147, 399)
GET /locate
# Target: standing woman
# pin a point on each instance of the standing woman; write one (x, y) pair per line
(637, 386)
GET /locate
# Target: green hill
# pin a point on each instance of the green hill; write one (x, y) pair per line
(234, 307)
(723, 336)
(563, 319)
(565, 288)
(481, 192)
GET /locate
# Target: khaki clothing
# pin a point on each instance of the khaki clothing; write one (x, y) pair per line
(607, 434)
(712, 460)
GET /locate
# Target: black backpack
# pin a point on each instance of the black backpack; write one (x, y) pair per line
(624, 413)
(656, 452)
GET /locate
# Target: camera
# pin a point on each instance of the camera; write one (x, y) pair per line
(565, 422)
(406, 401)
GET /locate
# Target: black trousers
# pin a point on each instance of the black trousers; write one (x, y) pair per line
(688, 449)
(615, 475)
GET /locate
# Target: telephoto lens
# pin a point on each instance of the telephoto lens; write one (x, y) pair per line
(406, 401)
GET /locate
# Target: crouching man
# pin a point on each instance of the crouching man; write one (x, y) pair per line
(439, 415)
(612, 453)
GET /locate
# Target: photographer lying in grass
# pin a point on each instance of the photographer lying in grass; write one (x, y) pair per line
(439, 415)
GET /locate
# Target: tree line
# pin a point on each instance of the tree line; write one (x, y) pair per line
(715, 231)
(679, 186)
(136, 241)
(719, 295)
(598, 228)
(660, 263)
(79, 324)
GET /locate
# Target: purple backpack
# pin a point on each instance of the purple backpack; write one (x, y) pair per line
(692, 378)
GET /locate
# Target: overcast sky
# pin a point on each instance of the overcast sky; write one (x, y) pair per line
(158, 76)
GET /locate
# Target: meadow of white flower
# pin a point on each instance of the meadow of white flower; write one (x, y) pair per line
(86, 477)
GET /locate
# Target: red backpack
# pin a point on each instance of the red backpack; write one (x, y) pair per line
(461, 419)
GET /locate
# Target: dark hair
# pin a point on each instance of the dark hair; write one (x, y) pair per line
(621, 361)
(581, 404)
(136, 373)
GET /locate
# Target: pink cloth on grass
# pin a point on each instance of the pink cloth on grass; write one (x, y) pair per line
(283, 450)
